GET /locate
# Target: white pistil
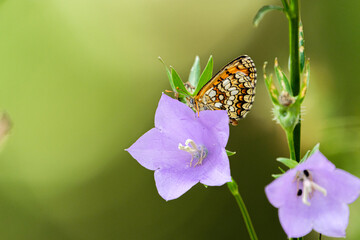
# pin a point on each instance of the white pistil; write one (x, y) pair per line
(309, 186)
(198, 152)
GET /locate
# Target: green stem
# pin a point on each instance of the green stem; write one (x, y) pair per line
(290, 139)
(293, 16)
(286, 5)
(294, 21)
(233, 187)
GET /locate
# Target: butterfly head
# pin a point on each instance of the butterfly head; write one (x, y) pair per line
(190, 101)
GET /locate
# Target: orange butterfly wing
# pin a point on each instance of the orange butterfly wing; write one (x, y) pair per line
(231, 89)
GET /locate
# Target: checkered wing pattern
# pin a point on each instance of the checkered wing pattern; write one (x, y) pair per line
(231, 89)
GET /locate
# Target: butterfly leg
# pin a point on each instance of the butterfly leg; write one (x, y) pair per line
(197, 109)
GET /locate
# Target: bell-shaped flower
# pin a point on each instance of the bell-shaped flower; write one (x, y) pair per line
(184, 148)
(314, 195)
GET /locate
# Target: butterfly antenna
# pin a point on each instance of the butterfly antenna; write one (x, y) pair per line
(182, 91)
(176, 94)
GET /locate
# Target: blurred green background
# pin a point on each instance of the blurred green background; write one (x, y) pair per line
(81, 82)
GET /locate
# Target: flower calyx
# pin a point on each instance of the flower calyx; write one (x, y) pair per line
(286, 106)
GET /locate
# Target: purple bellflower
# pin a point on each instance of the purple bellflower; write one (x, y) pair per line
(184, 149)
(314, 195)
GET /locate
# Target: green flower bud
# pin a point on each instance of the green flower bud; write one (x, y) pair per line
(286, 106)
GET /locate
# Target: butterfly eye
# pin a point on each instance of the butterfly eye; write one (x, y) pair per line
(192, 101)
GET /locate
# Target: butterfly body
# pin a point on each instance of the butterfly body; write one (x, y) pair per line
(231, 89)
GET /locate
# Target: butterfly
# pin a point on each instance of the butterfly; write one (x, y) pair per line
(231, 89)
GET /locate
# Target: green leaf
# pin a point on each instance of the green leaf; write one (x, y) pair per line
(262, 11)
(168, 74)
(301, 47)
(276, 175)
(316, 148)
(194, 75)
(179, 85)
(229, 153)
(309, 153)
(288, 162)
(273, 92)
(282, 79)
(206, 186)
(205, 76)
(283, 171)
(305, 156)
(305, 82)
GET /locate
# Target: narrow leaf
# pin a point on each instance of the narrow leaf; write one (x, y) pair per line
(309, 153)
(305, 156)
(179, 85)
(194, 75)
(229, 153)
(316, 148)
(282, 79)
(273, 92)
(205, 76)
(168, 74)
(301, 47)
(276, 175)
(262, 11)
(305, 82)
(287, 162)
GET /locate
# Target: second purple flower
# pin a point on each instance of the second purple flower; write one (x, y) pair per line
(314, 195)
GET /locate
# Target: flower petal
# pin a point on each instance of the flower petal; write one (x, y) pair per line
(339, 184)
(154, 150)
(281, 189)
(316, 161)
(179, 122)
(332, 218)
(172, 183)
(170, 112)
(217, 170)
(295, 220)
(218, 123)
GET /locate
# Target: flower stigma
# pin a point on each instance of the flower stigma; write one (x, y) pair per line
(198, 152)
(309, 186)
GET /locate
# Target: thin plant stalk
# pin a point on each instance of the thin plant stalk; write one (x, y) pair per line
(293, 15)
(233, 187)
(290, 139)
